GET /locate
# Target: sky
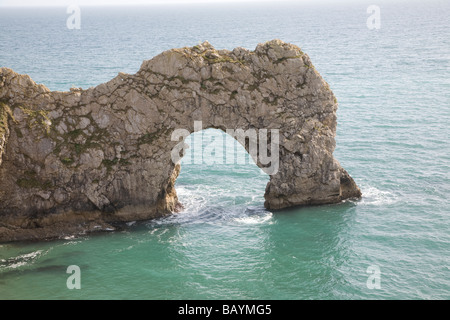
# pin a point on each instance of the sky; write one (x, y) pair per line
(66, 3)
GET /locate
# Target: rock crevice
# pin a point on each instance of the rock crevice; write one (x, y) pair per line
(81, 159)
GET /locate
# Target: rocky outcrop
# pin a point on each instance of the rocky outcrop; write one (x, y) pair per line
(78, 160)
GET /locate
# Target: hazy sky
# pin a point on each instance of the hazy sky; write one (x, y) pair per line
(109, 2)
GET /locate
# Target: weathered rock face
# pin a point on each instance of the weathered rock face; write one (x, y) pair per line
(72, 161)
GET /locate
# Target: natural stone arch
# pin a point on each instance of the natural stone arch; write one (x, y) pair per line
(103, 154)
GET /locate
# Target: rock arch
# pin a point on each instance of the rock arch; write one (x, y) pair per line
(73, 160)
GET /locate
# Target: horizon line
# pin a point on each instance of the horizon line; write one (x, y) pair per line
(131, 3)
(170, 2)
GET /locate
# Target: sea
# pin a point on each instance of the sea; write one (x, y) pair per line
(388, 63)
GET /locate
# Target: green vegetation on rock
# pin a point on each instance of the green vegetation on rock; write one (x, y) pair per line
(5, 112)
(30, 181)
(37, 118)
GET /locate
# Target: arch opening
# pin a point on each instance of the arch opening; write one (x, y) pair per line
(218, 178)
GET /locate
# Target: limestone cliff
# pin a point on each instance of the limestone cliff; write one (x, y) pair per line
(74, 161)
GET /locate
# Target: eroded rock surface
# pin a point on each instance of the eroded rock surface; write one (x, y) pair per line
(78, 160)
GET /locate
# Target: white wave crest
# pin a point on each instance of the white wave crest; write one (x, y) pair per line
(22, 260)
(375, 196)
(254, 219)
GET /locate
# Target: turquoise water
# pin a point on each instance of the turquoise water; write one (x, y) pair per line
(393, 87)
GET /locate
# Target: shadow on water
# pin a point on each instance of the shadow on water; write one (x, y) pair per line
(310, 245)
(344, 205)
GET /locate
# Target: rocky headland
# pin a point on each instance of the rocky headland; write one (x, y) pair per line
(78, 161)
